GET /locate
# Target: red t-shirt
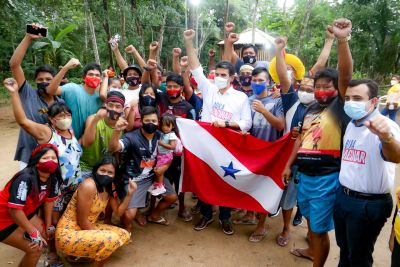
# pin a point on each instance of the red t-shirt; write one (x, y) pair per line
(16, 195)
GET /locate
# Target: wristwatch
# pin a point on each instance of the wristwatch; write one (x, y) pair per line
(227, 124)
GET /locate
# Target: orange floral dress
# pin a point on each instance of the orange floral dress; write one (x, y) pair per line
(96, 244)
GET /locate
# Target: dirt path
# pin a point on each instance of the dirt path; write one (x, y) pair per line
(178, 244)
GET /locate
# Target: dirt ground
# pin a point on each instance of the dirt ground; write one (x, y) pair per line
(178, 244)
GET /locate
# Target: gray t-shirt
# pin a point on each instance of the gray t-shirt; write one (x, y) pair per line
(261, 128)
(240, 63)
(35, 109)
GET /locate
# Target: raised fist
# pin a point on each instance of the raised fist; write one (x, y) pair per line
(154, 46)
(233, 37)
(211, 53)
(151, 64)
(280, 42)
(72, 63)
(121, 124)
(130, 49)
(229, 27)
(341, 28)
(177, 52)
(184, 62)
(329, 32)
(189, 35)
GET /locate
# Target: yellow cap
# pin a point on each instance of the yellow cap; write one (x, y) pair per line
(291, 60)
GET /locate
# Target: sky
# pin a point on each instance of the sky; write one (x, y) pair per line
(289, 3)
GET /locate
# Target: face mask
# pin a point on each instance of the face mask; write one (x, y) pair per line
(325, 97)
(258, 88)
(163, 87)
(149, 128)
(149, 101)
(290, 74)
(112, 114)
(249, 59)
(41, 87)
(92, 82)
(103, 181)
(49, 166)
(305, 98)
(355, 109)
(245, 80)
(392, 82)
(174, 93)
(235, 83)
(64, 124)
(220, 82)
(132, 81)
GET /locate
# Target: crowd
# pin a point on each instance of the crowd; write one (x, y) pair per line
(110, 146)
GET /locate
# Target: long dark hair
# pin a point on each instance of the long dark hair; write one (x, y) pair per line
(54, 180)
(143, 89)
(104, 161)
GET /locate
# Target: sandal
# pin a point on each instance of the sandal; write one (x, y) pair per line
(161, 221)
(186, 216)
(282, 240)
(299, 252)
(255, 238)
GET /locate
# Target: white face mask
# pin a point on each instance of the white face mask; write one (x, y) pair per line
(64, 124)
(393, 82)
(220, 82)
(305, 98)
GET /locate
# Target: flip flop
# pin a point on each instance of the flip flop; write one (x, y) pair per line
(255, 238)
(282, 240)
(161, 221)
(243, 221)
(298, 252)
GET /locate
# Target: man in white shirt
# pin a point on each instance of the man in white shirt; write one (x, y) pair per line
(223, 106)
(371, 147)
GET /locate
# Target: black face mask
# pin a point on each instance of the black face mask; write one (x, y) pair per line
(112, 114)
(149, 101)
(249, 59)
(149, 128)
(245, 80)
(41, 87)
(103, 182)
(133, 81)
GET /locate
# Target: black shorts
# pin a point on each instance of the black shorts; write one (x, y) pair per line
(10, 229)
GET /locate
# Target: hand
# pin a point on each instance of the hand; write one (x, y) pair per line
(329, 32)
(176, 52)
(341, 28)
(280, 43)
(154, 46)
(233, 38)
(121, 124)
(132, 187)
(229, 27)
(130, 49)
(72, 63)
(277, 94)
(295, 132)
(11, 85)
(114, 46)
(105, 73)
(286, 174)
(184, 62)
(34, 36)
(36, 238)
(101, 114)
(258, 106)
(189, 35)
(211, 53)
(379, 126)
(50, 231)
(151, 64)
(219, 124)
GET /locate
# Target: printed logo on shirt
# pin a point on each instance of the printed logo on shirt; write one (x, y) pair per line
(351, 154)
(219, 112)
(22, 191)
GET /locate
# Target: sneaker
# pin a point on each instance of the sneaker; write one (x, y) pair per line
(272, 215)
(203, 223)
(158, 190)
(227, 227)
(298, 219)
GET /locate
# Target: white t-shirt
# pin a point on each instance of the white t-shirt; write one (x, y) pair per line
(130, 95)
(165, 138)
(363, 167)
(231, 106)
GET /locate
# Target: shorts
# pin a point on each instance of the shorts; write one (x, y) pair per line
(11, 228)
(316, 199)
(164, 159)
(139, 197)
(289, 196)
(62, 201)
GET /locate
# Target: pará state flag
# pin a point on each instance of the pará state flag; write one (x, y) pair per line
(227, 168)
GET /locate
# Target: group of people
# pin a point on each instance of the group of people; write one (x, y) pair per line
(111, 146)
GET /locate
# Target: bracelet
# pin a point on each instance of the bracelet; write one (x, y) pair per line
(227, 124)
(345, 39)
(388, 140)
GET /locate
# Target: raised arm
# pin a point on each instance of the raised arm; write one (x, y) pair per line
(187, 88)
(89, 135)
(54, 87)
(342, 30)
(119, 209)
(176, 53)
(118, 57)
(40, 132)
(138, 58)
(154, 47)
(104, 86)
(211, 60)
(19, 54)
(326, 50)
(229, 39)
(281, 68)
(151, 67)
(114, 144)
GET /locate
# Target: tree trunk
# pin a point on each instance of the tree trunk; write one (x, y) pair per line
(226, 13)
(123, 29)
(106, 26)
(309, 6)
(161, 39)
(253, 32)
(92, 33)
(138, 26)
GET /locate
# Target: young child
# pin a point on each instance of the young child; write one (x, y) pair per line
(394, 241)
(166, 146)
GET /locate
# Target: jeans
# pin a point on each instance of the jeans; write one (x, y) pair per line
(392, 113)
(358, 223)
(224, 212)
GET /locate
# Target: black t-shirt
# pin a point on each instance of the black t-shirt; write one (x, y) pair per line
(182, 109)
(322, 130)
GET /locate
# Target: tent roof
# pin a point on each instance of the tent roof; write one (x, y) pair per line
(261, 38)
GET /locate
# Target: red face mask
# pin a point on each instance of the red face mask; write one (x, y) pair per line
(325, 97)
(49, 166)
(174, 93)
(92, 82)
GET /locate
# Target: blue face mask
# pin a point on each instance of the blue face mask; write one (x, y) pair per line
(258, 88)
(355, 109)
